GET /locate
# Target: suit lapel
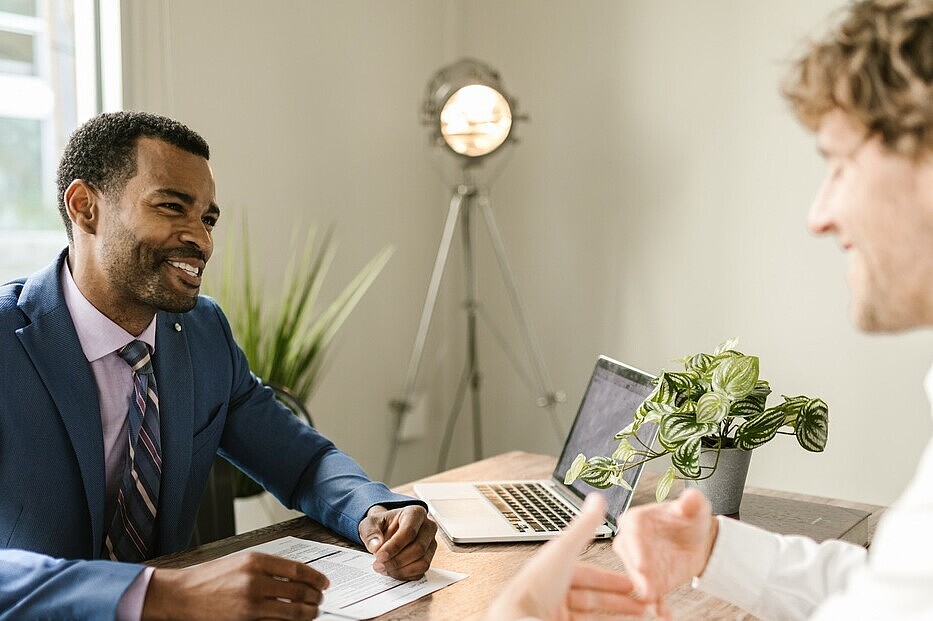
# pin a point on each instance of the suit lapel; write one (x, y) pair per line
(52, 344)
(175, 382)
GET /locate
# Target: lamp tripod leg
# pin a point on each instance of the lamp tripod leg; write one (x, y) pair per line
(548, 396)
(452, 418)
(472, 304)
(401, 406)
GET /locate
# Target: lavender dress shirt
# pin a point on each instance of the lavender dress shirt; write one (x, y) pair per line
(100, 340)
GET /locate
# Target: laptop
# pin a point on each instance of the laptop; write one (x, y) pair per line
(500, 511)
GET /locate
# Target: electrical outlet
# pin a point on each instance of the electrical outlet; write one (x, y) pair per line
(414, 422)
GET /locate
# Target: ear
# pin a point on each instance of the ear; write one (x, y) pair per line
(82, 204)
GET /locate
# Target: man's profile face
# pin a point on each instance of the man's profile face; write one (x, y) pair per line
(879, 205)
(155, 238)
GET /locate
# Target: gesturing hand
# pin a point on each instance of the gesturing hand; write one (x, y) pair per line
(552, 586)
(402, 540)
(664, 545)
(244, 586)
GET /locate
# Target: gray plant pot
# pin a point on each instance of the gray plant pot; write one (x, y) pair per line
(725, 487)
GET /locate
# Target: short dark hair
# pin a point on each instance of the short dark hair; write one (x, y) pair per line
(877, 65)
(102, 152)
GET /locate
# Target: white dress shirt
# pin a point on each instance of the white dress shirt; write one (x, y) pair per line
(781, 577)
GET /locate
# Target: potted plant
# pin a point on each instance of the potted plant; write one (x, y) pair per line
(286, 340)
(712, 412)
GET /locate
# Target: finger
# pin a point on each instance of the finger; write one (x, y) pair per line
(586, 576)
(580, 531)
(662, 612)
(275, 609)
(556, 553)
(595, 588)
(411, 564)
(626, 545)
(372, 531)
(423, 547)
(405, 528)
(589, 601)
(292, 571)
(690, 503)
(280, 588)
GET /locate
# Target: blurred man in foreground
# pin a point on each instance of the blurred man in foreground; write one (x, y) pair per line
(866, 91)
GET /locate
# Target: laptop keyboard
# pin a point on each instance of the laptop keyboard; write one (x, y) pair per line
(527, 506)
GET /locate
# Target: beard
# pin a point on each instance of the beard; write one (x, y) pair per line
(138, 271)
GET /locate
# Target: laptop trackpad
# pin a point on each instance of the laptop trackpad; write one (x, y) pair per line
(460, 507)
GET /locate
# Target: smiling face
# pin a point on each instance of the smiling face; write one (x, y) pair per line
(148, 247)
(879, 205)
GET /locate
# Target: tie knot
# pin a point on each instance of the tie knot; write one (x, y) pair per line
(136, 354)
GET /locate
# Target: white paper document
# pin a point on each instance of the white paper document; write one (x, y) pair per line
(355, 591)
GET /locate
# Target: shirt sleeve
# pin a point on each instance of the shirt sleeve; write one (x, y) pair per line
(130, 607)
(787, 577)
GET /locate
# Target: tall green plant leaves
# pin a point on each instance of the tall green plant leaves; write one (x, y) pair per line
(287, 339)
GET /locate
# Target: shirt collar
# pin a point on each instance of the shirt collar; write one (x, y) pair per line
(97, 334)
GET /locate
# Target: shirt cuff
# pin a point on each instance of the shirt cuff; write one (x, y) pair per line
(130, 607)
(732, 573)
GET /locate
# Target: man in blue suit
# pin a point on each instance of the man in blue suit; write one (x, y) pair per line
(78, 470)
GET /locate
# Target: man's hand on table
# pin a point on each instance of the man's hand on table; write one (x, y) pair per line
(402, 540)
(245, 586)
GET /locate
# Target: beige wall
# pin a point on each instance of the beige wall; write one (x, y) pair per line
(655, 206)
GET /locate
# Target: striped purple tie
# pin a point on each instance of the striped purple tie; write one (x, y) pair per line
(130, 537)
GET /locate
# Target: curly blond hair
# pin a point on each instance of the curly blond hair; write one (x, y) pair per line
(876, 65)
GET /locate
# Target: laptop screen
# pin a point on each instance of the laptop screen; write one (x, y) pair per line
(614, 393)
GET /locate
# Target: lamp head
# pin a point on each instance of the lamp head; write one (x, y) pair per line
(468, 110)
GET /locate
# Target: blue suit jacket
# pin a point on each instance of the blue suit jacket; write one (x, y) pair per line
(52, 455)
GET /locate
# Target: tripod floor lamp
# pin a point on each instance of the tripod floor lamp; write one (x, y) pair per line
(471, 115)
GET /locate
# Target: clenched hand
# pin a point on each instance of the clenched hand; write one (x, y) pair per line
(402, 540)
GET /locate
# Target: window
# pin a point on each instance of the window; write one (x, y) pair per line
(59, 65)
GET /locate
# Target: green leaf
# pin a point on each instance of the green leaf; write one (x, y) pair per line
(755, 432)
(736, 377)
(753, 404)
(599, 472)
(665, 391)
(746, 408)
(698, 363)
(648, 412)
(664, 485)
(712, 407)
(621, 482)
(761, 391)
(573, 472)
(687, 458)
(624, 452)
(726, 346)
(675, 429)
(813, 425)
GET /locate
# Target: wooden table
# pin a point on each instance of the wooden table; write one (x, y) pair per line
(490, 565)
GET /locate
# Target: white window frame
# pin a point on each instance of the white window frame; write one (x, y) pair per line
(98, 88)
